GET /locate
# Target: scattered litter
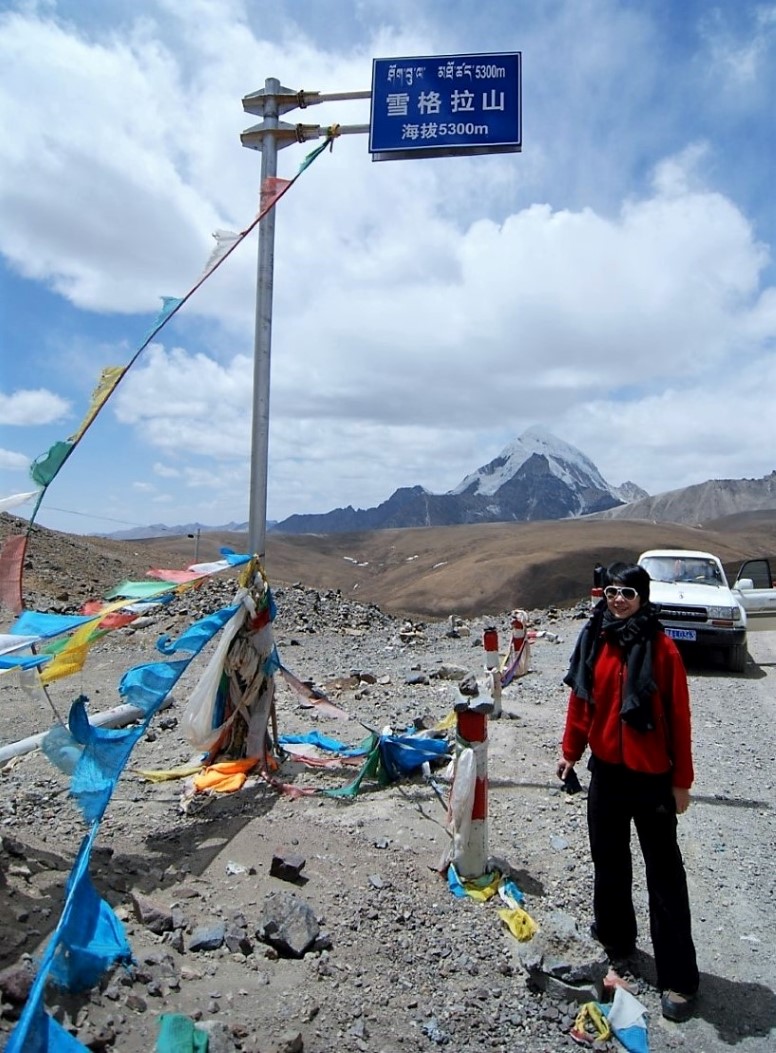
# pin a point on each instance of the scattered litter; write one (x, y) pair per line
(179, 1034)
(628, 1020)
(613, 980)
(590, 1025)
(545, 634)
(519, 922)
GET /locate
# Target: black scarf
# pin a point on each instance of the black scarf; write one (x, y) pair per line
(634, 635)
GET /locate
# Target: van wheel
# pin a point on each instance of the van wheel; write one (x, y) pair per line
(736, 658)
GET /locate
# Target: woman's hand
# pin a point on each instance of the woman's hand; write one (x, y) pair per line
(681, 799)
(563, 769)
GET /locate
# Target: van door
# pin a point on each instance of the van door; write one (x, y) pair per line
(754, 587)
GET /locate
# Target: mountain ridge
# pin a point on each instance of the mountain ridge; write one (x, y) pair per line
(700, 503)
(536, 477)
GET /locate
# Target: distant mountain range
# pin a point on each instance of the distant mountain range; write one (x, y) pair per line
(702, 503)
(536, 477)
(162, 530)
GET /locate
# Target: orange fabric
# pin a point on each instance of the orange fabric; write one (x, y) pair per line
(225, 776)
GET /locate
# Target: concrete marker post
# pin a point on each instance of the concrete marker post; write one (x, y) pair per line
(490, 644)
(472, 733)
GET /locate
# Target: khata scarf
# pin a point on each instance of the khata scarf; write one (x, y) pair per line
(635, 636)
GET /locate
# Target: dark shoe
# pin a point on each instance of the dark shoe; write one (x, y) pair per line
(676, 1006)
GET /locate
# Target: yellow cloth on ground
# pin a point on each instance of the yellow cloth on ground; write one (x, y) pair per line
(590, 1014)
(163, 774)
(519, 922)
(225, 776)
(481, 888)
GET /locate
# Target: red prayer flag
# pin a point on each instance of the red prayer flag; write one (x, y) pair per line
(11, 562)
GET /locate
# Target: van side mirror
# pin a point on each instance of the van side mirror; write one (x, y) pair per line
(743, 584)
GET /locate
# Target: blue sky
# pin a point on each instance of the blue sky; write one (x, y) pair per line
(614, 282)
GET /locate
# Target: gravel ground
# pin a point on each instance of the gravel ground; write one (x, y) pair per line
(401, 965)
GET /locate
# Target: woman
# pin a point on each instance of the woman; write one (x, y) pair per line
(629, 702)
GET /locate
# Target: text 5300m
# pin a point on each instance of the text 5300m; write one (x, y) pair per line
(461, 128)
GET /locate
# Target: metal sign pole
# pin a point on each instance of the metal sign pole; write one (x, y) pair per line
(271, 136)
(257, 520)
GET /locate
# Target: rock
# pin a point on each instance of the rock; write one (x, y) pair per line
(287, 866)
(208, 937)
(157, 919)
(220, 1037)
(238, 941)
(468, 686)
(288, 924)
(15, 982)
(289, 1042)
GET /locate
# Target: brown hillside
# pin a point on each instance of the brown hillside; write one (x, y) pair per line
(489, 569)
(429, 572)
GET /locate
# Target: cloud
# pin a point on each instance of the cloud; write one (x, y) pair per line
(165, 471)
(425, 312)
(741, 43)
(520, 321)
(185, 404)
(701, 428)
(30, 407)
(15, 462)
(113, 155)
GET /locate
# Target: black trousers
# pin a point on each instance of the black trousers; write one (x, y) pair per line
(617, 797)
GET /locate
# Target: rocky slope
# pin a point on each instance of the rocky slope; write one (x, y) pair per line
(702, 503)
(399, 963)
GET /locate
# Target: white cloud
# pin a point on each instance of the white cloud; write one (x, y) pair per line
(165, 471)
(518, 322)
(14, 462)
(425, 313)
(188, 404)
(741, 48)
(30, 407)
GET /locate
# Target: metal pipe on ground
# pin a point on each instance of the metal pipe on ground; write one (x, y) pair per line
(117, 717)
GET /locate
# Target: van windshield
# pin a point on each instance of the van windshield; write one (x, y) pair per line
(684, 569)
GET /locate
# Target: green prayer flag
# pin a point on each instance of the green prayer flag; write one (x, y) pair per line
(45, 467)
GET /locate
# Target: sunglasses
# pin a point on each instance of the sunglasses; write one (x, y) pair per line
(627, 593)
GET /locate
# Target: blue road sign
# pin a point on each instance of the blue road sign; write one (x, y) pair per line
(444, 105)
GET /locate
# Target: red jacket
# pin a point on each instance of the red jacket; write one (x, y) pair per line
(666, 747)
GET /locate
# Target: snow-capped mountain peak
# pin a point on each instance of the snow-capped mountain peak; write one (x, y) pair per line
(564, 461)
